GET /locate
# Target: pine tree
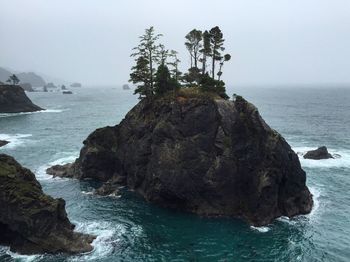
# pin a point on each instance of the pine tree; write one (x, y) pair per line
(174, 64)
(193, 45)
(224, 59)
(13, 79)
(141, 75)
(216, 41)
(147, 55)
(206, 50)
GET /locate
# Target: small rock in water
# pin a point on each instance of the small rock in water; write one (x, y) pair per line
(318, 154)
(3, 143)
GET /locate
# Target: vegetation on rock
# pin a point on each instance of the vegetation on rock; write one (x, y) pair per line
(156, 71)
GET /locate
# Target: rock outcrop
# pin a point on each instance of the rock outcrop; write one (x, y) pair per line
(32, 222)
(318, 154)
(211, 157)
(3, 143)
(14, 100)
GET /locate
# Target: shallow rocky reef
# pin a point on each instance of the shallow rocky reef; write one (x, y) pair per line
(207, 156)
(32, 222)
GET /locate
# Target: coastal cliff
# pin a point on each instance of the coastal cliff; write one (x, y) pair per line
(207, 156)
(14, 100)
(30, 221)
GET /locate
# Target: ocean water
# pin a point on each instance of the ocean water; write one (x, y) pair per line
(128, 229)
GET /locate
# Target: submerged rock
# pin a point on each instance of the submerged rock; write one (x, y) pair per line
(14, 100)
(318, 154)
(32, 222)
(3, 143)
(200, 155)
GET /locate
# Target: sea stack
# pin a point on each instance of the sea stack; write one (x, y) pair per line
(318, 154)
(13, 99)
(32, 222)
(199, 154)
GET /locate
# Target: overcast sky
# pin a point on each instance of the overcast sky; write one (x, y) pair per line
(272, 42)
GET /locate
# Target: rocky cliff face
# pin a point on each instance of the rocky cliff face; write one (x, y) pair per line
(30, 221)
(14, 100)
(205, 156)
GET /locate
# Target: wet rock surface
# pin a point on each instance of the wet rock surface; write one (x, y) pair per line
(32, 222)
(204, 156)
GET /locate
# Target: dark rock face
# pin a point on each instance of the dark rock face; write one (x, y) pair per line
(205, 156)
(30, 221)
(14, 100)
(3, 142)
(318, 154)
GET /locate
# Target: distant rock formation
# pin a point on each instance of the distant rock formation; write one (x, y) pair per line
(63, 87)
(27, 87)
(318, 154)
(32, 222)
(67, 92)
(211, 157)
(126, 87)
(3, 142)
(50, 85)
(14, 100)
(76, 85)
(30, 77)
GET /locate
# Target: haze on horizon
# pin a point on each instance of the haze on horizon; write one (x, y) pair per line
(271, 42)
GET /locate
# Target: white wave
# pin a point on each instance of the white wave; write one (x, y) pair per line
(262, 229)
(87, 192)
(15, 140)
(107, 237)
(316, 193)
(30, 113)
(342, 158)
(41, 174)
(24, 258)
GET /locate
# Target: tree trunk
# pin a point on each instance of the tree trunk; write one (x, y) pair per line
(204, 64)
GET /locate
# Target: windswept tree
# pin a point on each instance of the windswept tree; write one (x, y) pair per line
(224, 59)
(13, 79)
(141, 76)
(146, 57)
(193, 45)
(174, 65)
(205, 51)
(216, 42)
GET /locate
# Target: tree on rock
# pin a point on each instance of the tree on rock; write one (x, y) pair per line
(216, 41)
(13, 79)
(205, 51)
(193, 45)
(223, 59)
(146, 56)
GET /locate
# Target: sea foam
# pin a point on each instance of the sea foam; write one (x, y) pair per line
(342, 158)
(15, 140)
(30, 113)
(67, 157)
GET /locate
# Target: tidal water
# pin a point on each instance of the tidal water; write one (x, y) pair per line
(129, 229)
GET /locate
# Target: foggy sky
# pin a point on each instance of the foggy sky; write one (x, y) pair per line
(272, 42)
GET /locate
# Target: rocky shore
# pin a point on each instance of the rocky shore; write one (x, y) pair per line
(3, 143)
(32, 222)
(211, 157)
(14, 100)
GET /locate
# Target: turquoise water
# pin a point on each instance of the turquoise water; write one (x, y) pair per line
(128, 229)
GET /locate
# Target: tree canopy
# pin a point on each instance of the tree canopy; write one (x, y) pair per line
(156, 69)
